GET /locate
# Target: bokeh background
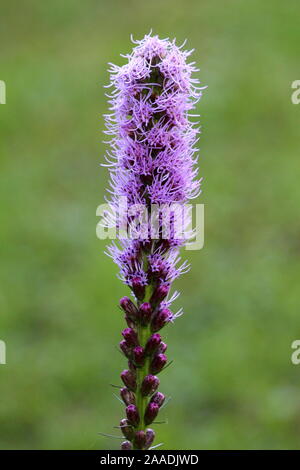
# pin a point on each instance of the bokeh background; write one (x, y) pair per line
(232, 384)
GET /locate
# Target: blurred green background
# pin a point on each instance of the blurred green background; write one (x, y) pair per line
(232, 384)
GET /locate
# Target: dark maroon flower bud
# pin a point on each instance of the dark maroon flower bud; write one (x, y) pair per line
(127, 396)
(149, 385)
(151, 413)
(161, 319)
(150, 435)
(152, 344)
(130, 337)
(129, 322)
(126, 429)
(132, 366)
(145, 313)
(132, 414)
(140, 439)
(129, 308)
(129, 380)
(138, 355)
(162, 348)
(158, 363)
(159, 294)
(125, 348)
(126, 445)
(158, 398)
(138, 288)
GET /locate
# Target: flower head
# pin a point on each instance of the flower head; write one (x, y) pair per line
(152, 151)
(152, 166)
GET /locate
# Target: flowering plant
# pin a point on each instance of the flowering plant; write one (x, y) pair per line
(152, 162)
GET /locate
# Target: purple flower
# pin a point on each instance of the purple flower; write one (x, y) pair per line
(152, 167)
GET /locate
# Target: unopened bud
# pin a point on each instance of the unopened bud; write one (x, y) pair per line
(129, 308)
(130, 337)
(158, 363)
(126, 445)
(129, 321)
(151, 413)
(125, 348)
(162, 348)
(150, 435)
(162, 317)
(132, 414)
(158, 398)
(126, 429)
(145, 313)
(140, 439)
(132, 366)
(138, 288)
(129, 379)
(159, 294)
(138, 355)
(127, 396)
(152, 344)
(149, 385)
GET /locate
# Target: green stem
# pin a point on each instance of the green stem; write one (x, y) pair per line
(143, 335)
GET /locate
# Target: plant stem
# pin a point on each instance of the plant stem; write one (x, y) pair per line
(141, 401)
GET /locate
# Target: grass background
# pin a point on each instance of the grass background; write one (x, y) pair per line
(233, 384)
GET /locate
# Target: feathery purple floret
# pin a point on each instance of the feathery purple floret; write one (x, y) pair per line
(152, 162)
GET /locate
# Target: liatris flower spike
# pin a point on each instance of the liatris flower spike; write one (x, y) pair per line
(151, 162)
